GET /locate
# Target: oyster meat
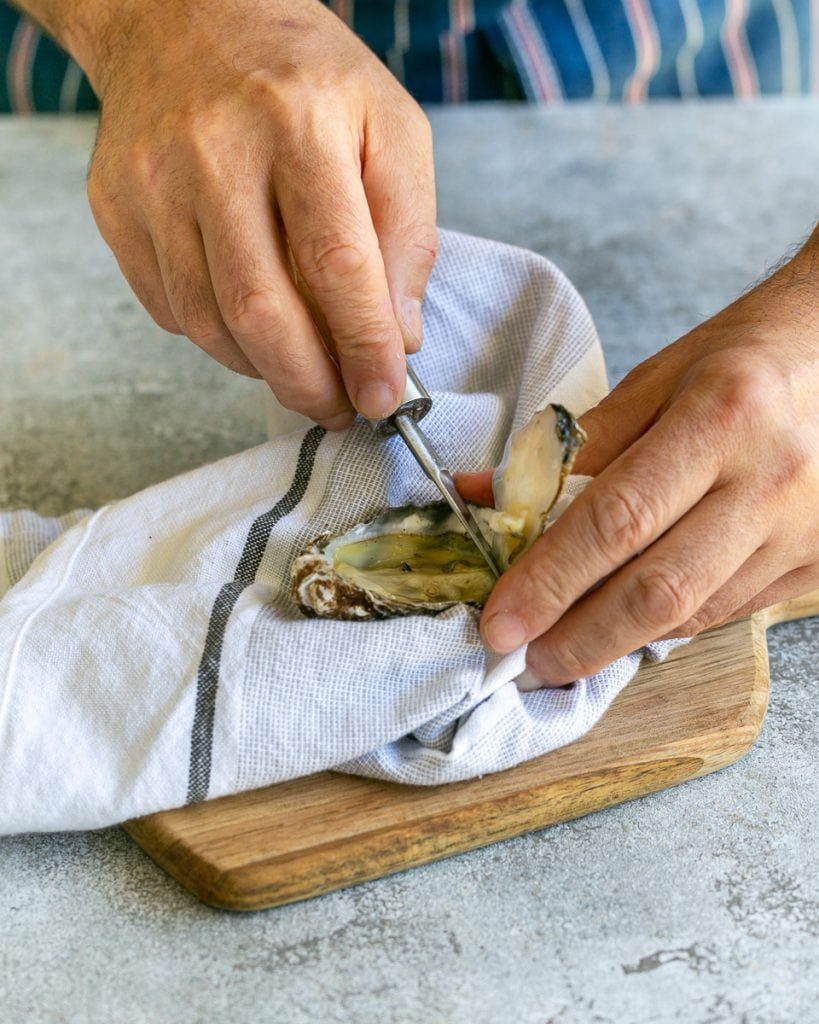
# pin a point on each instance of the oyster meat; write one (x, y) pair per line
(419, 560)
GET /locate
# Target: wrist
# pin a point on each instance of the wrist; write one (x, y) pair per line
(810, 250)
(804, 267)
(99, 34)
(797, 279)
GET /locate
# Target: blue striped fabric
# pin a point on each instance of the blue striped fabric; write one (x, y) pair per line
(634, 50)
(544, 51)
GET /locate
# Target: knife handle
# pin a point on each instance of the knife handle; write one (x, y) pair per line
(416, 403)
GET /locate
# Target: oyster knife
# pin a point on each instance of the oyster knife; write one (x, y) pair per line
(415, 404)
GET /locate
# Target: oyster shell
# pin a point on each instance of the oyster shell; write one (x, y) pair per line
(418, 560)
(530, 477)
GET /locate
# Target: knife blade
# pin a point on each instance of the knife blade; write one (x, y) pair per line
(415, 404)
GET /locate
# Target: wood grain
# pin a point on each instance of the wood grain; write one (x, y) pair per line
(697, 712)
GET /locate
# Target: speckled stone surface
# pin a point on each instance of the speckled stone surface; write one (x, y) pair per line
(699, 905)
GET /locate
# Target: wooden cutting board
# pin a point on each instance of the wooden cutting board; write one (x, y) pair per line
(697, 712)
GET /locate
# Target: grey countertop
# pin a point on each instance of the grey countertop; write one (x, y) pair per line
(699, 904)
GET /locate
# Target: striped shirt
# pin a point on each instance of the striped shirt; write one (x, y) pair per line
(543, 51)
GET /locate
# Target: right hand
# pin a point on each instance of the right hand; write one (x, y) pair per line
(236, 138)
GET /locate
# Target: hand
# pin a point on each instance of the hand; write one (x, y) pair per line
(238, 139)
(705, 505)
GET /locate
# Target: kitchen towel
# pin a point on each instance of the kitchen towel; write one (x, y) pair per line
(151, 654)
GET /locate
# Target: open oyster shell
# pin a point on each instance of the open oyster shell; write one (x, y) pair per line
(418, 560)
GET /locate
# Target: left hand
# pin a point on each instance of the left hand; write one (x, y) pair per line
(705, 505)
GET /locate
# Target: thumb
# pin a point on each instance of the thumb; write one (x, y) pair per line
(475, 487)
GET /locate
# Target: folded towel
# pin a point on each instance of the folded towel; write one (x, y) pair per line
(151, 654)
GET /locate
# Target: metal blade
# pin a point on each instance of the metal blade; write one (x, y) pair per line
(426, 458)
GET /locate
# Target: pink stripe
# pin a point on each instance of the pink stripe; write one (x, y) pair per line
(463, 15)
(647, 49)
(21, 60)
(737, 53)
(814, 46)
(531, 42)
(453, 50)
(451, 69)
(342, 8)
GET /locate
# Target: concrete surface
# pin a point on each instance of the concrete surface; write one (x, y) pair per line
(699, 905)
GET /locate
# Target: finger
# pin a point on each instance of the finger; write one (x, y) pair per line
(475, 487)
(399, 180)
(792, 585)
(761, 570)
(135, 256)
(758, 584)
(324, 209)
(261, 306)
(628, 411)
(181, 258)
(636, 499)
(656, 592)
(139, 266)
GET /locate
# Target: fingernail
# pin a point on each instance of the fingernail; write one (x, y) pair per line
(504, 632)
(413, 327)
(340, 422)
(375, 400)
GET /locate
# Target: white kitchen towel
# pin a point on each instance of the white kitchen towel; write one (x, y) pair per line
(151, 654)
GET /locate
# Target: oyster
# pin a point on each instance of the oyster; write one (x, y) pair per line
(531, 475)
(418, 560)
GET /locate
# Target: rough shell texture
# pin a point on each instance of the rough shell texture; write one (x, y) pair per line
(418, 560)
(405, 561)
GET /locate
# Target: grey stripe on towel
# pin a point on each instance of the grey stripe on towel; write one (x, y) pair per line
(207, 682)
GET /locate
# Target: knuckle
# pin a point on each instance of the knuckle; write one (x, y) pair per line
(205, 156)
(208, 333)
(308, 402)
(308, 393)
(408, 122)
(252, 314)
(363, 340)
(301, 389)
(547, 586)
(163, 317)
(288, 93)
(620, 518)
(330, 260)
(95, 191)
(145, 163)
(744, 391)
(692, 627)
(637, 375)
(749, 392)
(421, 123)
(422, 243)
(662, 597)
(166, 322)
(206, 137)
(796, 466)
(570, 661)
(103, 203)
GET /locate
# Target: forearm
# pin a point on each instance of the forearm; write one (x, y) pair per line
(89, 31)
